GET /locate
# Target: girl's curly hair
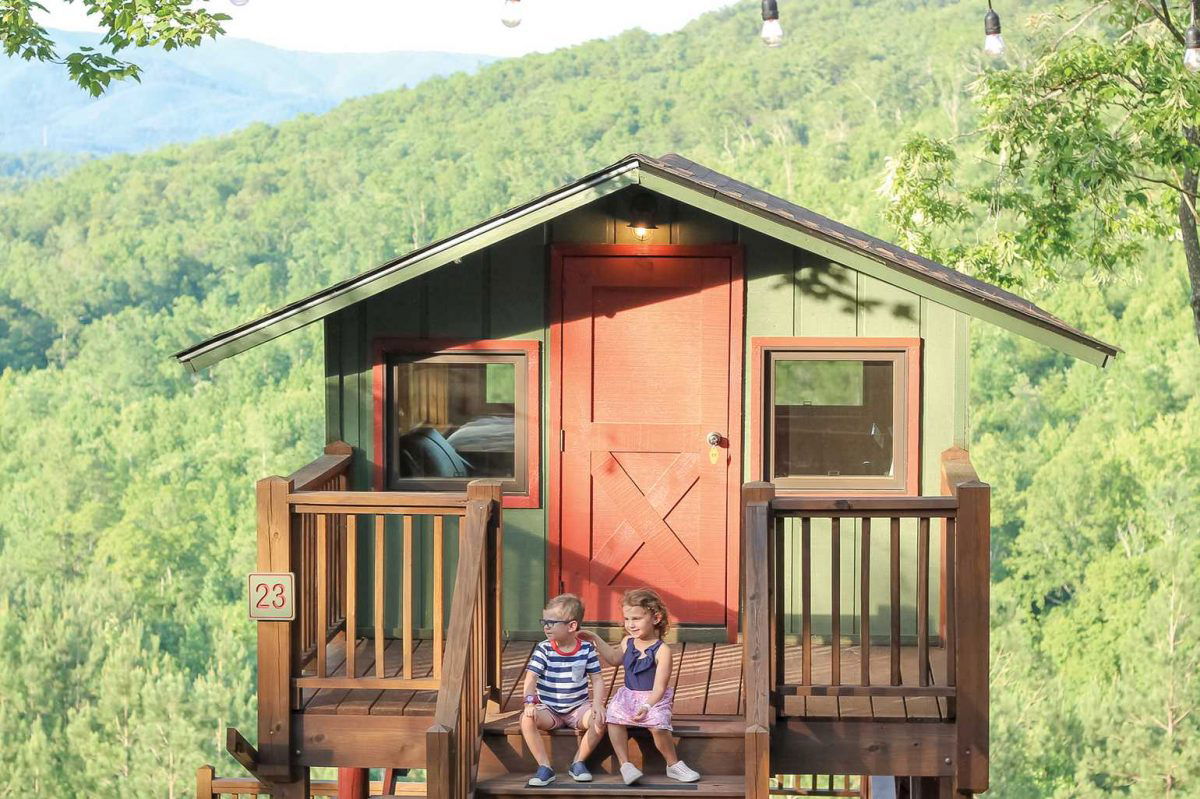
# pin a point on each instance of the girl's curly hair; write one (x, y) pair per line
(650, 601)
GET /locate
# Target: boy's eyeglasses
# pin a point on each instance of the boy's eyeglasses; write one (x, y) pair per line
(552, 622)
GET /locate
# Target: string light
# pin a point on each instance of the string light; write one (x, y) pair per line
(511, 15)
(1191, 44)
(772, 31)
(993, 42)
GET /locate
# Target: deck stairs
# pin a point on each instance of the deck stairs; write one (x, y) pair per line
(713, 745)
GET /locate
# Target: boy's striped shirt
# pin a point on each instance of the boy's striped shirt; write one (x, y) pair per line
(562, 683)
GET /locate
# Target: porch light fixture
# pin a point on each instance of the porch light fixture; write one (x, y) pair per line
(772, 31)
(642, 210)
(511, 15)
(993, 43)
(1191, 53)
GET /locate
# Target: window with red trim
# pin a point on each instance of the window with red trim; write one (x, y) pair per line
(836, 415)
(456, 412)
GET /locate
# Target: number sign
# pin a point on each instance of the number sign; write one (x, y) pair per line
(272, 597)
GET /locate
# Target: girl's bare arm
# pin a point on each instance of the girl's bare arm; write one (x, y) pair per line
(608, 653)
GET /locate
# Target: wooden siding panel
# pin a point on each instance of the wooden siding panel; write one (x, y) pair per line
(590, 224)
(826, 301)
(518, 310)
(333, 378)
(885, 310)
(690, 225)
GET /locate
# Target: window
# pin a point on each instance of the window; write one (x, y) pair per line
(837, 414)
(455, 412)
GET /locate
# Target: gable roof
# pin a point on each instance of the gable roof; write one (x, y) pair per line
(697, 185)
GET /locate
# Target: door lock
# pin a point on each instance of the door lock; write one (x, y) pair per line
(714, 439)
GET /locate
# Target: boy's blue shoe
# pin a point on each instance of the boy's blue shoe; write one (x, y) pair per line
(544, 776)
(579, 772)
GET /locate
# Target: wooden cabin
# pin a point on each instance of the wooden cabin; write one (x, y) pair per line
(652, 376)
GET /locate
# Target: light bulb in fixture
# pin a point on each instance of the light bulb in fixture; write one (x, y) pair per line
(772, 31)
(642, 210)
(239, 3)
(1191, 52)
(993, 42)
(511, 15)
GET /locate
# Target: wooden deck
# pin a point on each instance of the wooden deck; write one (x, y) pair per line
(707, 680)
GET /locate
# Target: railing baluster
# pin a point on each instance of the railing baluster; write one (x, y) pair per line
(951, 614)
(806, 598)
(322, 591)
(380, 556)
(835, 581)
(895, 601)
(439, 608)
(864, 613)
(351, 596)
(775, 556)
(406, 597)
(923, 602)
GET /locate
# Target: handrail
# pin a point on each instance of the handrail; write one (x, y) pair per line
(453, 741)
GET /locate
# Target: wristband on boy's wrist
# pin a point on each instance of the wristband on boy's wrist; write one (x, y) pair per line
(530, 699)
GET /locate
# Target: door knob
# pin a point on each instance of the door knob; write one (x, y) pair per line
(714, 439)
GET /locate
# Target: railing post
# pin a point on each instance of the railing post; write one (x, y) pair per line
(972, 591)
(275, 644)
(204, 780)
(490, 490)
(757, 638)
(439, 767)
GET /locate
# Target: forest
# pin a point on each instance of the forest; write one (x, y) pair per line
(127, 503)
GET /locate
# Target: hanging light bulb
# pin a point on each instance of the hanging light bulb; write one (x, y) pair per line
(239, 3)
(772, 31)
(1191, 52)
(993, 42)
(511, 15)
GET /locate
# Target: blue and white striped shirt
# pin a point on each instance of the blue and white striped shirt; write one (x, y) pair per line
(562, 683)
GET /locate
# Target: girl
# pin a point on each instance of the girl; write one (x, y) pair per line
(644, 700)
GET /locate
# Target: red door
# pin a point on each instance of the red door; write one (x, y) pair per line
(648, 349)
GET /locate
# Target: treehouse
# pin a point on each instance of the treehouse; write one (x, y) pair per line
(652, 376)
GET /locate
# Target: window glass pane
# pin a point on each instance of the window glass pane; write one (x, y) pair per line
(833, 418)
(501, 382)
(818, 382)
(455, 420)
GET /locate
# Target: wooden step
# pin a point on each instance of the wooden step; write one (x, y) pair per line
(611, 785)
(712, 745)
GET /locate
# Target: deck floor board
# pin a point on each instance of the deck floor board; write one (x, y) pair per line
(707, 678)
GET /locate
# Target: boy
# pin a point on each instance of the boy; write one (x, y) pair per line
(556, 690)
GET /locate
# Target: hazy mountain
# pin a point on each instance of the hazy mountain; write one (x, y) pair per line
(189, 94)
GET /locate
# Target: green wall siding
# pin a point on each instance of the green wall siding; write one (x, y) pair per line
(502, 291)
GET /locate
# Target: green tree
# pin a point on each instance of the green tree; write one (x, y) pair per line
(1090, 149)
(168, 24)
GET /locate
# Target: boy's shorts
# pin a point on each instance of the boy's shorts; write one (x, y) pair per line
(571, 720)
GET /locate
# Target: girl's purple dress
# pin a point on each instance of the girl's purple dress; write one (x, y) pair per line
(639, 684)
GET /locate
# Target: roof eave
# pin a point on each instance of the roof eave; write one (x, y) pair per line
(1079, 346)
(328, 301)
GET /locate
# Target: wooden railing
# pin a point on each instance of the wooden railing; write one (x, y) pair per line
(821, 785)
(452, 743)
(310, 525)
(962, 519)
(210, 786)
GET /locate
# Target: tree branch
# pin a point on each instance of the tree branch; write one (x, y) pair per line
(1165, 20)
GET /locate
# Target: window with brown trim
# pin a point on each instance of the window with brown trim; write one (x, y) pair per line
(460, 413)
(838, 416)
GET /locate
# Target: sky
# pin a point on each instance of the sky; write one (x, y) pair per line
(465, 26)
